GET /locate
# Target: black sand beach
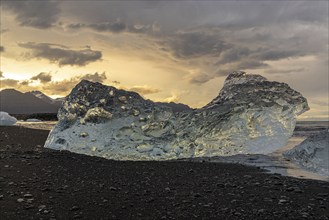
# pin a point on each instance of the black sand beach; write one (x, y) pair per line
(38, 183)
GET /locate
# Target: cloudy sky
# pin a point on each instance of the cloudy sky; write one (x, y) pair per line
(166, 50)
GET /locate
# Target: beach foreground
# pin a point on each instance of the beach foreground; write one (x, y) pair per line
(40, 183)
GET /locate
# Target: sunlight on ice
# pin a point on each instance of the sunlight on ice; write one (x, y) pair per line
(250, 115)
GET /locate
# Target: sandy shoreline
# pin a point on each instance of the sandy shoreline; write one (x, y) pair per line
(44, 125)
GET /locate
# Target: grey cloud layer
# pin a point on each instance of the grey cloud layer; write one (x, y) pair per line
(213, 37)
(284, 71)
(115, 26)
(42, 77)
(174, 15)
(60, 54)
(196, 44)
(37, 14)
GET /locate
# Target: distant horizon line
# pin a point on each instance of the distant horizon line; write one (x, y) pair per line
(54, 97)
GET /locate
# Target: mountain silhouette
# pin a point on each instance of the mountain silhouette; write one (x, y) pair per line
(15, 102)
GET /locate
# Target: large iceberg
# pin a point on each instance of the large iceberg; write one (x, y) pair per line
(312, 153)
(250, 115)
(6, 119)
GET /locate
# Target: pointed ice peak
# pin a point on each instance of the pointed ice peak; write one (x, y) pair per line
(240, 77)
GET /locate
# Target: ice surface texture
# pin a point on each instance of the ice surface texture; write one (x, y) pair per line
(312, 153)
(6, 119)
(250, 115)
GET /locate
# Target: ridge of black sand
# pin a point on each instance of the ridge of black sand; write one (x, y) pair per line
(39, 183)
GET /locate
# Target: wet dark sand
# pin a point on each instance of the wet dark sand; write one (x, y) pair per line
(38, 183)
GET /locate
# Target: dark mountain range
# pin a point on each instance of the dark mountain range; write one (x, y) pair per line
(42, 96)
(15, 102)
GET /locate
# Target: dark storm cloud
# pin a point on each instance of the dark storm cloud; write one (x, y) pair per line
(200, 79)
(261, 54)
(195, 44)
(60, 54)
(175, 15)
(247, 14)
(239, 58)
(109, 26)
(284, 71)
(2, 49)
(37, 14)
(115, 27)
(1, 74)
(268, 54)
(248, 33)
(234, 54)
(42, 77)
(251, 64)
(25, 83)
(240, 65)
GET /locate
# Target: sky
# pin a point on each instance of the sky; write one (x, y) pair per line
(177, 51)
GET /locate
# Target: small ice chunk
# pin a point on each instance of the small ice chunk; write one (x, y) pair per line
(33, 120)
(6, 119)
(312, 153)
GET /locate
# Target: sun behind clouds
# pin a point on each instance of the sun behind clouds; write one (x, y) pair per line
(152, 49)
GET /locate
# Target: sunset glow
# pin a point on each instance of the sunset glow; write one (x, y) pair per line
(177, 51)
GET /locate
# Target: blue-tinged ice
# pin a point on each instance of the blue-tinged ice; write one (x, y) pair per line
(312, 153)
(6, 119)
